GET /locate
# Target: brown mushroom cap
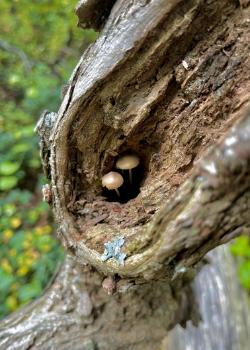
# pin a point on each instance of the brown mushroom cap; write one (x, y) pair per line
(112, 180)
(128, 162)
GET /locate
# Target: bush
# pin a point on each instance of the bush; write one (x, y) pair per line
(241, 249)
(39, 47)
(28, 253)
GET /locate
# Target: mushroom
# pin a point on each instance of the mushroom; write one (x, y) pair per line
(112, 181)
(128, 162)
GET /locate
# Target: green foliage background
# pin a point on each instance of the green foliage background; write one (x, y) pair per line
(39, 47)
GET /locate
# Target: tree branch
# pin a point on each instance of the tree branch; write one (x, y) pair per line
(132, 92)
(28, 64)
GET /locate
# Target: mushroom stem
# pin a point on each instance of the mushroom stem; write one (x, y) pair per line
(130, 175)
(117, 192)
(128, 162)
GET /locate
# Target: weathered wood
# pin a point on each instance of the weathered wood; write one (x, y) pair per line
(223, 305)
(156, 84)
(75, 312)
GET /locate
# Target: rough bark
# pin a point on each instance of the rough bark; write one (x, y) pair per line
(131, 92)
(168, 80)
(77, 313)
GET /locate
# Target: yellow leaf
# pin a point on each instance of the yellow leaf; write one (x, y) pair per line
(28, 262)
(32, 254)
(11, 302)
(15, 222)
(22, 271)
(39, 230)
(5, 265)
(26, 244)
(47, 229)
(7, 234)
(46, 248)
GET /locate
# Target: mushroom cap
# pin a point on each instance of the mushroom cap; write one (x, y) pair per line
(128, 162)
(112, 180)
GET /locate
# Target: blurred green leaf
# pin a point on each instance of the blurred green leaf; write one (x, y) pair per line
(7, 182)
(9, 168)
(29, 291)
(17, 240)
(6, 280)
(244, 272)
(241, 246)
(20, 148)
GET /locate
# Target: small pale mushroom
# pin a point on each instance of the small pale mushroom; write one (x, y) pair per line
(112, 181)
(109, 285)
(128, 162)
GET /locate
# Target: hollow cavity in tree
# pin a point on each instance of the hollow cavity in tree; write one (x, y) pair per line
(132, 170)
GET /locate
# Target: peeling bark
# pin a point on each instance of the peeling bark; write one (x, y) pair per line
(169, 81)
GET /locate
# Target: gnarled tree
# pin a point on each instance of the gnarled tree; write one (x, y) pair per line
(167, 80)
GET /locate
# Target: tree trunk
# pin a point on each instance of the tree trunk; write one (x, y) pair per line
(169, 82)
(76, 313)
